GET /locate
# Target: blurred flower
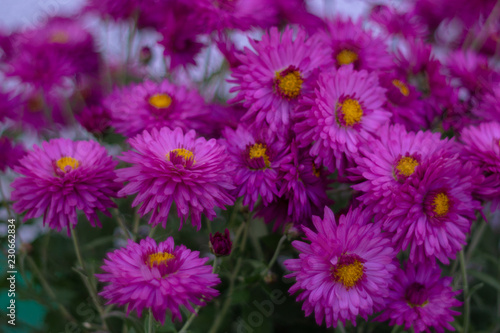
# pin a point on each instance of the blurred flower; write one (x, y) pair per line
(347, 43)
(11, 153)
(95, 119)
(149, 105)
(482, 147)
(273, 77)
(346, 269)
(419, 299)
(345, 109)
(161, 277)
(170, 166)
(406, 24)
(61, 177)
(220, 244)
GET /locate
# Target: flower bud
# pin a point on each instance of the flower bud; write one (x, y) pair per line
(220, 244)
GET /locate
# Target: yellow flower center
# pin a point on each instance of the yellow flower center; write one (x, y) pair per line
(406, 165)
(289, 82)
(160, 101)
(411, 305)
(351, 111)
(403, 88)
(63, 162)
(316, 171)
(346, 57)
(59, 37)
(259, 150)
(186, 154)
(160, 258)
(349, 274)
(441, 204)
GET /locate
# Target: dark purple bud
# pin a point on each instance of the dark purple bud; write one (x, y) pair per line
(220, 244)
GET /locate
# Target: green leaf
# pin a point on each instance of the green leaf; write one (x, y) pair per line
(486, 279)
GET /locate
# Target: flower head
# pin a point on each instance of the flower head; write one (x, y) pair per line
(220, 244)
(346, 108)
(345, 269)
(64, 176)
(420, 298)
(482, 147)
(257, 158)
(273, 77)
(155, 105)
(161, 277)
(170, 166)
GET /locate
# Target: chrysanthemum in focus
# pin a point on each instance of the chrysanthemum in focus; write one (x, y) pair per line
(273, 77)
(346, 269)
(434, 212)
(345, 109)
(170, 166)
(421, 299)
(151, 105)
(161, 277)
(387, 163)
(64, 176)
(482, 147)
(257, 158)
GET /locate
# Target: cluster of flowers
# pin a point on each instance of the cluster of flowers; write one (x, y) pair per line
(315, 104)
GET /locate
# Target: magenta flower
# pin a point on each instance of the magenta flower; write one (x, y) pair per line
(345, 109)
(273, 77)
(170, 166)
(482, 147)
(155, 105)
(257, 159)
(420, 299)
(434, 212)
(387, 163)
(64, 176)
(405, 24)
(347, 43)
(11, 153)
(94, 119)
(220, 244)
(161, 277)
(345, 270)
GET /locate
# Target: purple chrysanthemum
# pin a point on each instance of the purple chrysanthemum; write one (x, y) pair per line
(11, 153)
(63, 176)
(273, 76)
(168, 166)
(346, 269)
(387, 163)
(347, 43)
(482, 147)
(406, 24)
(346, 107)
(304, 185)
(161, 277)
(151, 105)
(419, 298)
(434, 212)
(257, 159)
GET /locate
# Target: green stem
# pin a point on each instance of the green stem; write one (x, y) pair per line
(276, 253)
(227, 303)
(48, 290)
(137, 219)
(151, 326)
(466, 292)
(86, 280)
(119, 218)
(197, 309)
(340, 326)
(395, 329)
